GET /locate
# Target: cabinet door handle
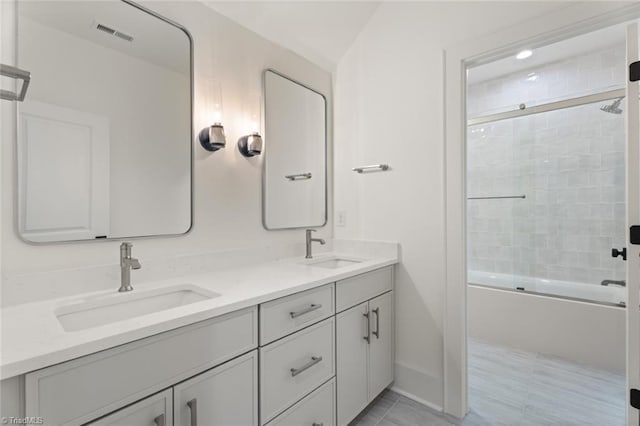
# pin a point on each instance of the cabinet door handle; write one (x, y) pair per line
(159, 421)
(314, 361)
(317, 424)
(193, 405)
(376, 332)
(368, 336)
(311, 308)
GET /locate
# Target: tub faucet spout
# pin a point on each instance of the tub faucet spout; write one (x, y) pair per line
(621, 283)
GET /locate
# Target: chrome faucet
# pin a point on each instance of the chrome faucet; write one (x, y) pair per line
(312, 240)
(621, 283)
(127, 263)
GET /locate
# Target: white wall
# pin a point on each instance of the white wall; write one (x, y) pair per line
(227, 213)
(389, 109)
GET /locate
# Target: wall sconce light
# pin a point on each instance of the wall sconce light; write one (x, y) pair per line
(251, 144)
(212, 138)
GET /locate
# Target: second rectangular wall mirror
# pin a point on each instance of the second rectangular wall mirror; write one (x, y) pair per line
(104, 134)
(294, 181)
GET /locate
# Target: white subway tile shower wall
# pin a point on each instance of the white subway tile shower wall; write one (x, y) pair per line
(575, 76)
(570, 165)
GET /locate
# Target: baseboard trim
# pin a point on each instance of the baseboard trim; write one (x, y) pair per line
(411, 396)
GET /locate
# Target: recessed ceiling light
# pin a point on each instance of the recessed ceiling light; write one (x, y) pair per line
(524, 54)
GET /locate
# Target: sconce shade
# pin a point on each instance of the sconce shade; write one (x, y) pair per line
(250, 145)
(212, 138)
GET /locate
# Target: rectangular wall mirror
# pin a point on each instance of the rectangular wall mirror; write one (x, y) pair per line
(104, 145)
(295, 166)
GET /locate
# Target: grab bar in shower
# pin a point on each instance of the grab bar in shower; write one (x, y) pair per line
(501, 197)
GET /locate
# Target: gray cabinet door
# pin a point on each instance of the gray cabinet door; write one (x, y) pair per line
(381, 348)
(155, 410)
(351, 369)
(224, 396)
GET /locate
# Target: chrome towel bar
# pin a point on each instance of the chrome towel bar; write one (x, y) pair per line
(299, 176)
(18, 74)
(381, 167)
(502, 197)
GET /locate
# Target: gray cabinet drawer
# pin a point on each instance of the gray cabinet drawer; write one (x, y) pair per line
(294, 366)
(358, 289)
(86, 388)
(318, 408)
(291, 313)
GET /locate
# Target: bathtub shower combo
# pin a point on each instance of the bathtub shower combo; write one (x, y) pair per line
(546, 194)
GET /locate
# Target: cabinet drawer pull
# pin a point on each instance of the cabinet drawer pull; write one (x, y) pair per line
(376, 332)
(159, 421)
(193, 405)
(311, 308)
(314, 361)
(368, 336)
(317, 424)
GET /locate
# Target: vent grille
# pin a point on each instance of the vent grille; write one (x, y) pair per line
(105, 29)
(123, 36)
(115, 33)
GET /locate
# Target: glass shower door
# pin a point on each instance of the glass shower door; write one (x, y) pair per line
(493, 190)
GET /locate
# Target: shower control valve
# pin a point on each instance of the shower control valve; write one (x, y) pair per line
(616, 253)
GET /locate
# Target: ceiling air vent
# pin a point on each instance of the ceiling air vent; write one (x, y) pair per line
(105, 29)
(123, 36)
(115, 33)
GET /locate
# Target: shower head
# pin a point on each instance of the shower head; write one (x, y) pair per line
(614, 108)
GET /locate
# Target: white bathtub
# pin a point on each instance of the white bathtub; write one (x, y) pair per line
(580, 291)
(570, 325)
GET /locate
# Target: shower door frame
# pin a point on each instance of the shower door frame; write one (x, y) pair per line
(558, 25)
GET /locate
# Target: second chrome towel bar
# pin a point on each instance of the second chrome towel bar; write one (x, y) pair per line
(373, 167)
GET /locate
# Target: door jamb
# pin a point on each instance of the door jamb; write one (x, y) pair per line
(558, 25)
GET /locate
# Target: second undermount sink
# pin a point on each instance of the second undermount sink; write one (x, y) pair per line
(334, 263)
(118, 306)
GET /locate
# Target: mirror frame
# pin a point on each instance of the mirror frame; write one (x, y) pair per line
(266, 153)
(16, 186)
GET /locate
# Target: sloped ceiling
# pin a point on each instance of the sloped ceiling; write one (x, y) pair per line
(320, 31)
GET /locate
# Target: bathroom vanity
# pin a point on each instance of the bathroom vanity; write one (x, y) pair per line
(314, 348)
(288, 342)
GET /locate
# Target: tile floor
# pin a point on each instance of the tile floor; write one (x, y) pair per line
(512, 387)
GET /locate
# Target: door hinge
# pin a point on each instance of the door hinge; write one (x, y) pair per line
(635, 398)
(634, 235)
(634, 71)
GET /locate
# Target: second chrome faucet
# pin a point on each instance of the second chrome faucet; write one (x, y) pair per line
(127, 263)
(310, 240)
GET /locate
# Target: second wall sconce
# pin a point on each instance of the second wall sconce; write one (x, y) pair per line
(212, 138)
(251, 144)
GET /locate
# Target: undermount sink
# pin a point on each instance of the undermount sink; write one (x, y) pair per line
(334, 263)
(119, 306)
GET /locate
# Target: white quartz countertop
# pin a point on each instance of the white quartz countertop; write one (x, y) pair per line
(32, 337)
